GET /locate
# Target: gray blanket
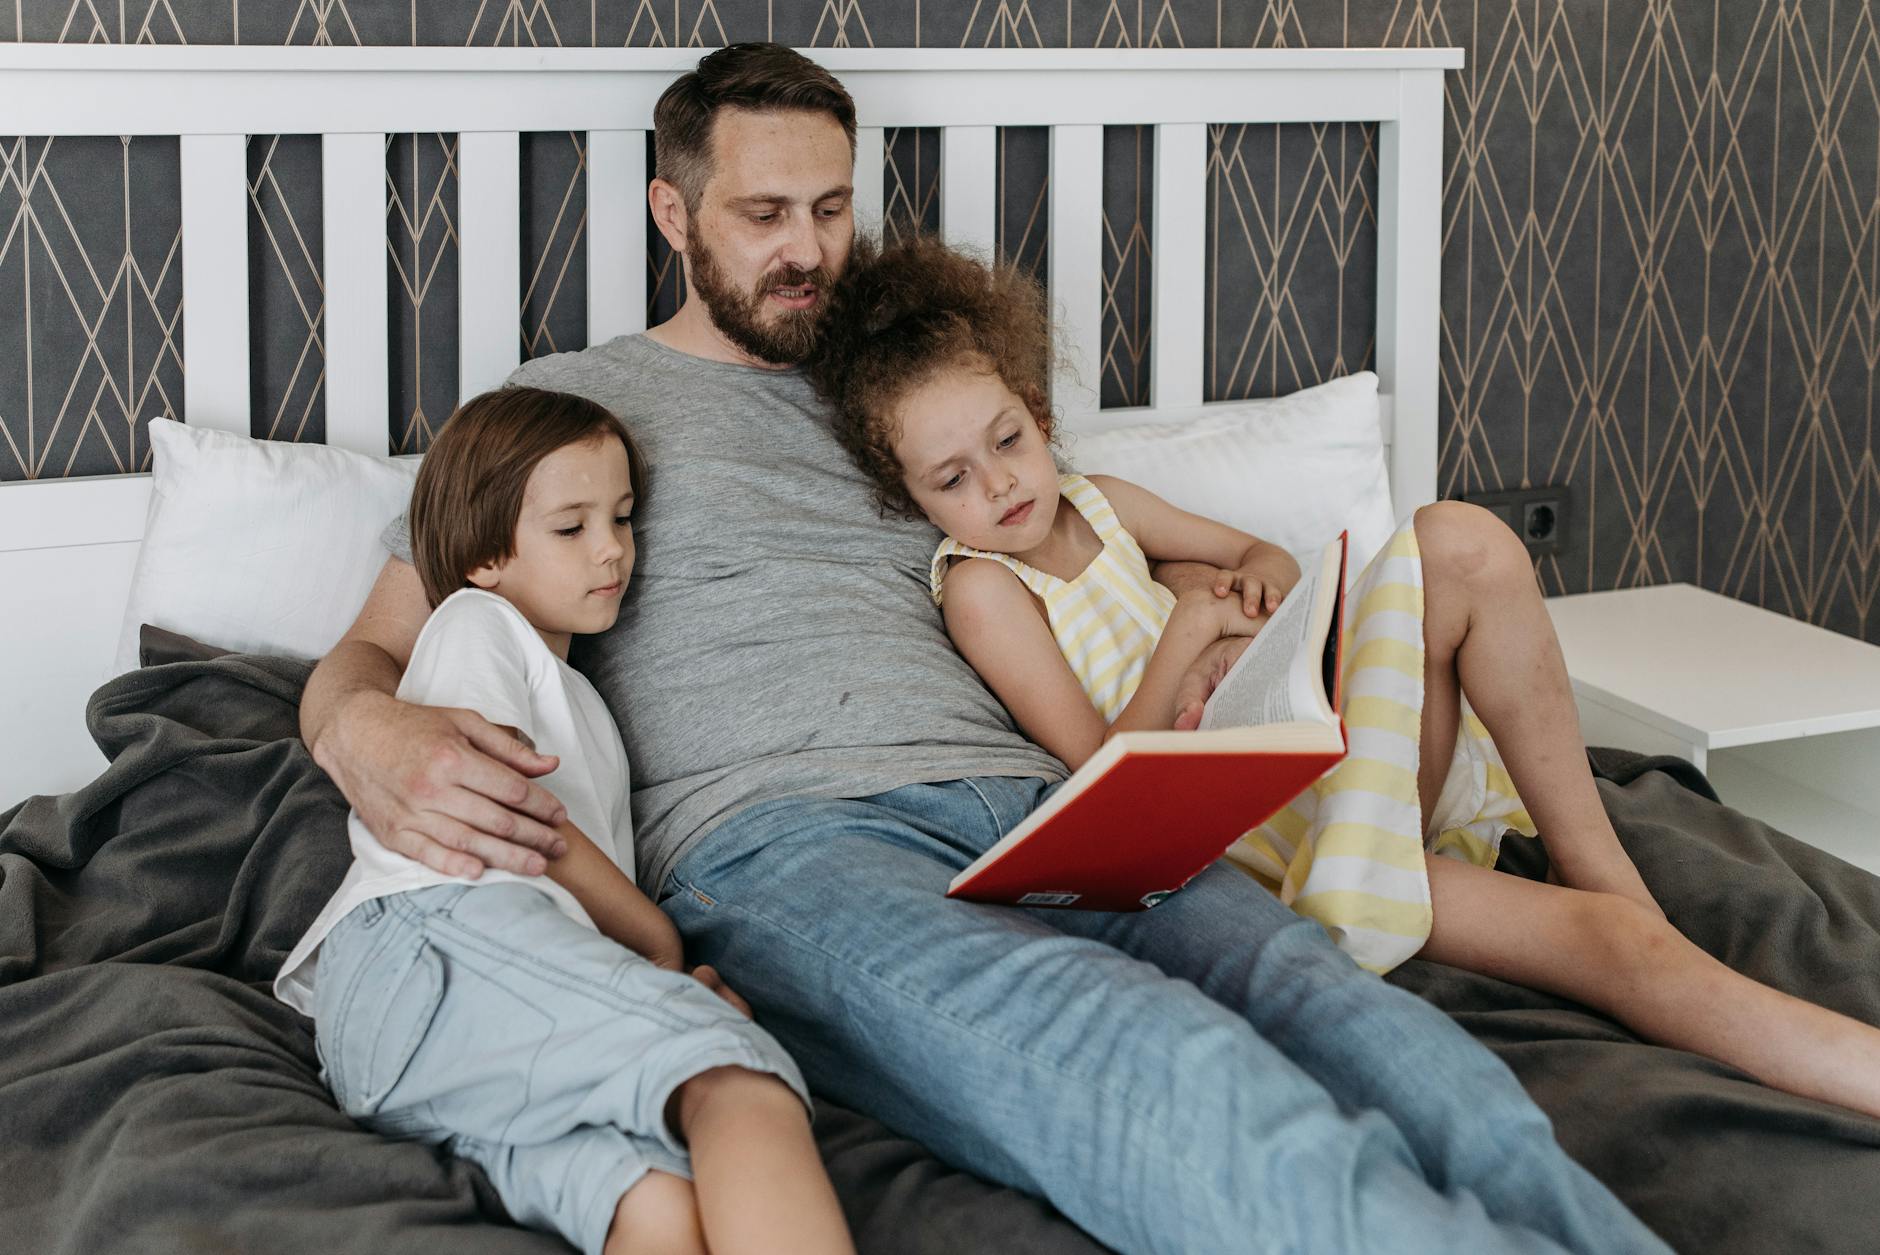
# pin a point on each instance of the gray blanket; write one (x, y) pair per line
(155, 1097)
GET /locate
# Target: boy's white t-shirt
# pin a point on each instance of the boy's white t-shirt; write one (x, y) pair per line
(476, 651)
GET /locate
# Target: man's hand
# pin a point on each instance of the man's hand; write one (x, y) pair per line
(1223, 615)
(1203, 676)
(708, 976)
(1187, 578)
(443, 786)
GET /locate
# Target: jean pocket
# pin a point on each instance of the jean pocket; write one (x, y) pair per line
(383, 1022)
(697, 895)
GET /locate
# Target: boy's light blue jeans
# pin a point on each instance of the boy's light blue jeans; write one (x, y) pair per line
(1212, 1075)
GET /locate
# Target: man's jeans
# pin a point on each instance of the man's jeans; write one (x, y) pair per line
(1211, 1075)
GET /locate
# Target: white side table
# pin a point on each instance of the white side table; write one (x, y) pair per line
(1783, 716)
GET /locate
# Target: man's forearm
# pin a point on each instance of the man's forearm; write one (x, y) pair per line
(352, 668)
(1184, 577)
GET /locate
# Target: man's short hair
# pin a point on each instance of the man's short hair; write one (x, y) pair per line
(469, 491)
(755, 76)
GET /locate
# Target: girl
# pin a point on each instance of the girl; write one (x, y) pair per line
(937, 368)
(545, 1027)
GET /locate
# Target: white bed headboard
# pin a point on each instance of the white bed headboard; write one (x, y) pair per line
(67, 546)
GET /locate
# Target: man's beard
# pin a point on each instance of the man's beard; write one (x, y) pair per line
(786, 339)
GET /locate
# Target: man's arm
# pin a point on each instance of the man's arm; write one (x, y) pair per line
(1206, 672)
(440, 785)
(1185, 577)
(1203, 676)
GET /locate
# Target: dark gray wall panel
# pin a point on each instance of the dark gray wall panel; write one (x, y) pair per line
(1661, 249)
(421, 286)
(554, 243)
(91, 276)
(286, 312)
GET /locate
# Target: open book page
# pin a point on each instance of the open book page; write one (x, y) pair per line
(1272, 681)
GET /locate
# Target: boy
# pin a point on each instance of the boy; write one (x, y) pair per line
(544, 1027)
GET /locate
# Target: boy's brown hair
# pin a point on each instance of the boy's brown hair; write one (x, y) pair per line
(905, 312)
(468, 497)
(756, 76)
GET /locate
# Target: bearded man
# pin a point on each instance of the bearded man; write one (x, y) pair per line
(813, 762)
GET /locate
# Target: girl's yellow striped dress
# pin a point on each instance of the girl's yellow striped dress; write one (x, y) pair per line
(1348, 852)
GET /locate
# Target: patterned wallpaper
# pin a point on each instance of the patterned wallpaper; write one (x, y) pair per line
(1661, 248)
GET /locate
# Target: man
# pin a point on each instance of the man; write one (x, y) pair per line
(815, 763)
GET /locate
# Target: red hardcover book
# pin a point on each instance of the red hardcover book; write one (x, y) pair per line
(1150, 809)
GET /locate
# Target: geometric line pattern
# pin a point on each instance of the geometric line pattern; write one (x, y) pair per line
(1291, 256)
(1660, 249)
(1024, 197)
(554, 242)
(1661, 286)
(1128, 220)
(910, 182)
(421, 256)
(90, 268)
(287, 297)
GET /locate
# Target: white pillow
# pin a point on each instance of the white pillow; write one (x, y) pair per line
(1294, 470)
(258, 545)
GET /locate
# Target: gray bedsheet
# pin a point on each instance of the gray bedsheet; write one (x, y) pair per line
(1713, 1161)
(155, 1097)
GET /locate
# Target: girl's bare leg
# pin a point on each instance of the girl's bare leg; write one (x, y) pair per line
(1615, 956)
(759, 1179)
(1486, 633)
(1603, 941)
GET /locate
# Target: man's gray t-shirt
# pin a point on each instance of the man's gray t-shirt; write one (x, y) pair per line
(778, 636)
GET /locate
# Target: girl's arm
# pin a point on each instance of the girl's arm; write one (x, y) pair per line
(996, 625)
(1196, 623)
(1261, 571)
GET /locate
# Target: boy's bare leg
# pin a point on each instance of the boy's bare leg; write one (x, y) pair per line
(658, 1215)
(1486, 630)
(758, 1176)
(1613, 955)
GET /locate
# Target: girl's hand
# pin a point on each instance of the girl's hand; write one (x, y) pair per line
(1265, 575)
(707, 975)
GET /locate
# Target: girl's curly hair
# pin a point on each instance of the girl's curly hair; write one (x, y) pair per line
(902, 313)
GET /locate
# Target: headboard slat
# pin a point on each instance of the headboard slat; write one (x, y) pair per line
(870, 180)
(1076, 284)
(616, 233)
(1409, 279)
(352, 199)
(67, 547)
(1179, 256)
(969, 182)
(489, 259)
(215, 281)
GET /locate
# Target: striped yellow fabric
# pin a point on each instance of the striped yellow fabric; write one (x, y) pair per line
(1349, 852)
(1108, 619)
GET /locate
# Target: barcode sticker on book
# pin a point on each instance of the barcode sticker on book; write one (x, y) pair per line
(1049, 899)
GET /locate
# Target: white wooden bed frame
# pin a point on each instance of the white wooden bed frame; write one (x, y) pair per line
(67, 546)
